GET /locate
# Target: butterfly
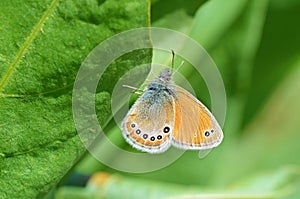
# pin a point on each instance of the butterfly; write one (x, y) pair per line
(166, 114)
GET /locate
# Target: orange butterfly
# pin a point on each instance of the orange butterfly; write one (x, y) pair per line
(166, 114)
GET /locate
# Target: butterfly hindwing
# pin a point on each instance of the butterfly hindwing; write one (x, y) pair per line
(194, 127)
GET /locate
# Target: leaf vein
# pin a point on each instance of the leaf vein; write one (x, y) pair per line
(36, 148)
(26, 44)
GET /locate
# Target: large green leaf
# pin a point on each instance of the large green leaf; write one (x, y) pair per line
(42, 46)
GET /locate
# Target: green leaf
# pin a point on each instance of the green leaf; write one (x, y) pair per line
(42, 46)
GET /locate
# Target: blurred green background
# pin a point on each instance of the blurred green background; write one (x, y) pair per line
(255, 45)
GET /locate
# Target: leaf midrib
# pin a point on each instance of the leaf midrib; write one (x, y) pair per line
(26, 44)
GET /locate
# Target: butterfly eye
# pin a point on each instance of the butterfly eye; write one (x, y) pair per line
(166, 129)
(151, 88)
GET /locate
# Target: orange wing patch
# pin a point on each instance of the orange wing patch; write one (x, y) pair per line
(194, 126)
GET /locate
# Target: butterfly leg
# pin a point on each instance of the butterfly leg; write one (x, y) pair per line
(135, 90)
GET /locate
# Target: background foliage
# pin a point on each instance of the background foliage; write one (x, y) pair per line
(255, 46)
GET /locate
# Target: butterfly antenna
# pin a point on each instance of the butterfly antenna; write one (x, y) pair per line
(173, 58)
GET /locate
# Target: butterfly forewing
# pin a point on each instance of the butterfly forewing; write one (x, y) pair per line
(194, 127)
(148, 126)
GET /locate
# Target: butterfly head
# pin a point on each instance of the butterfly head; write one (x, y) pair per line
(165, 76)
